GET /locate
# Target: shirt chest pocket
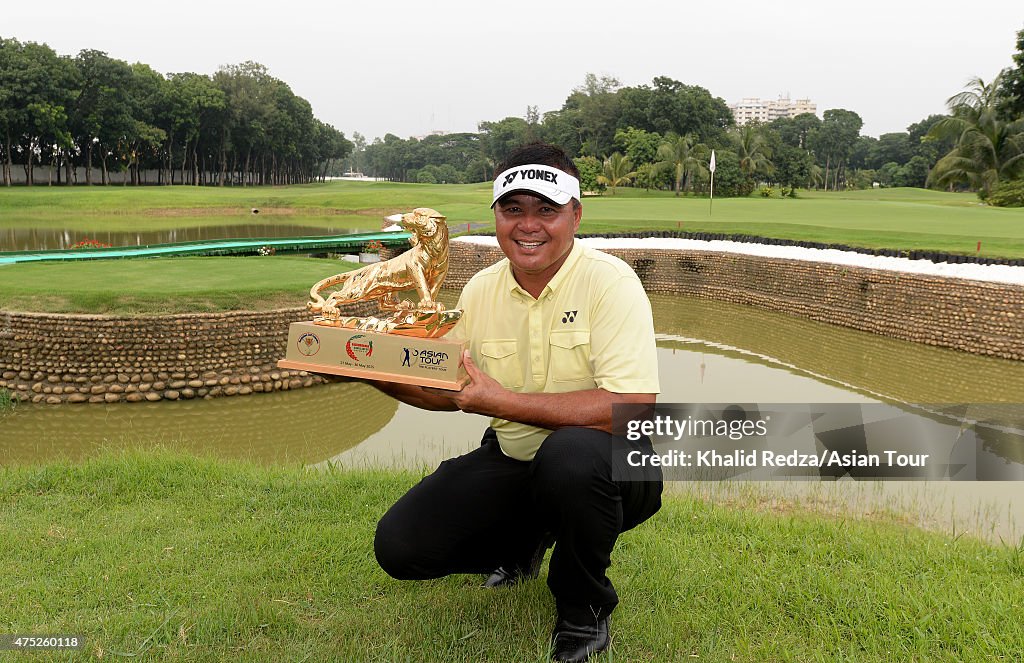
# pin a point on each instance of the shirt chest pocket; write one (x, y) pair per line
(499, 359)
(570, 355)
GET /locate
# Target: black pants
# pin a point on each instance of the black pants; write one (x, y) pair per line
(483, 510)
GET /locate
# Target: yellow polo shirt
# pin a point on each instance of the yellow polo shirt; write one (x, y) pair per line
(590, 328)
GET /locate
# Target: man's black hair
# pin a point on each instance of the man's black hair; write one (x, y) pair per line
(540, 153)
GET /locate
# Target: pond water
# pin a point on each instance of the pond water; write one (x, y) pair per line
(26, 234)
(47, 239)
(708, 351)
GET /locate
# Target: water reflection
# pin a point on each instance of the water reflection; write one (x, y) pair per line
(40, 239)
(279, 427)
(872, 365)
(21, 233)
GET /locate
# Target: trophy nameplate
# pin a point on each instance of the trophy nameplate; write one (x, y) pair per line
(364, 354)
(403, 342)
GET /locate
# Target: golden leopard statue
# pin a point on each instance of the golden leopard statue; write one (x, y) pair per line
(422, 268)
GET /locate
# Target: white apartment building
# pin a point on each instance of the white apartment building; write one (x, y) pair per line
(753, 109)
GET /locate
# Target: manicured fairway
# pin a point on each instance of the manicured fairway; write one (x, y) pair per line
(897, 219)
(889, 218)
(164, 285)
(157, 555)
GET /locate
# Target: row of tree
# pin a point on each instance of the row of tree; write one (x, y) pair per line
(647, 123)
(661, 136)
(243, 126)
(239, 126)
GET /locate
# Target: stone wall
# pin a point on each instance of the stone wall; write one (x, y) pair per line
(971, 316)
(96, 359)
(91, 358)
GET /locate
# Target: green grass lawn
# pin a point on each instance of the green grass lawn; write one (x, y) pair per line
(164, 285)
(161, 555)
(890, 218)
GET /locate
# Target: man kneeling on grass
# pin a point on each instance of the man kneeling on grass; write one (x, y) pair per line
(556, 335)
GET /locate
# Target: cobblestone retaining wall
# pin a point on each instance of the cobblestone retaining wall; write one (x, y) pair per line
(105, 359)
(90, 358)
(971, 316)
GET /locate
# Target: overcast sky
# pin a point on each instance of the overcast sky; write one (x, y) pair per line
(409, 68)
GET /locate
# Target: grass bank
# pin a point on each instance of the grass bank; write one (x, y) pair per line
(158, 554)
(164, 285)
(885, 218)
(890, 218)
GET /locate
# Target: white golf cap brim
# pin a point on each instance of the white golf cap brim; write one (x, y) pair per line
(550, 183)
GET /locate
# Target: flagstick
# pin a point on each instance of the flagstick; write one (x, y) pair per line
(711, 167)
(711, 201)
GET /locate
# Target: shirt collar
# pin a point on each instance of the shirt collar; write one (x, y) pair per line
(570, 261)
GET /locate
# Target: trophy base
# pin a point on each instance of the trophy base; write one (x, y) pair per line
(427, 362)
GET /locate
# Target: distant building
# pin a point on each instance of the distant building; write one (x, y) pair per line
(752, 109)
(436, 132)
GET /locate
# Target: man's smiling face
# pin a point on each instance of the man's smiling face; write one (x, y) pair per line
(535, 234)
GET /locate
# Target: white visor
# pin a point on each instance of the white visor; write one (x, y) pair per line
(556, 185)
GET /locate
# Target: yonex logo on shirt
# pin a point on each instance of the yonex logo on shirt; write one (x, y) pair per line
(570, 316)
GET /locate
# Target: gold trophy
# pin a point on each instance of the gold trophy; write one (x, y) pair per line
(401, 344)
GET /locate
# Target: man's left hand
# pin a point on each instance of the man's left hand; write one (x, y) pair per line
(481, 395)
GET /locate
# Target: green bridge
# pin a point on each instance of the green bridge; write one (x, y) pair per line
(224, 247)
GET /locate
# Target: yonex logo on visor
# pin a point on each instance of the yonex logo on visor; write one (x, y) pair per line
(551, 183)
(530, 174)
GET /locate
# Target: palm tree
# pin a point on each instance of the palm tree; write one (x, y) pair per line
(988, 149)
(753, 151)
(683, 156)
(817, 175)
(618, 170)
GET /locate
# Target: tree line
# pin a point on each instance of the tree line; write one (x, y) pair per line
(661, 136)
(243, 126)
(239, 126)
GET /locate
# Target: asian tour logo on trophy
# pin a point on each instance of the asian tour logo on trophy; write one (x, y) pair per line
(380, 346)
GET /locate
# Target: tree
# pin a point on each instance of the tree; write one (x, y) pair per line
(988, 149)
(729, 179)
(912, 173)
(502, 137)
(788, 138)
(590, 172)
(793, 131)
(684, 157)
(617, 171)
(890, 147)
(358, 147)
(753, 151)
(792, 166)
(50, 92)
(8, 115)
(587, 120)
(640, 146)
(250, 94)
(1011, 91)
(195, 107)
(143, 139)
(670, 105)
(38, 88)
(927, 146)
(833, 142)
(103, 108)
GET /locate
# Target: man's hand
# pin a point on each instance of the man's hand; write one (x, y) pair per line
(481, 395)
